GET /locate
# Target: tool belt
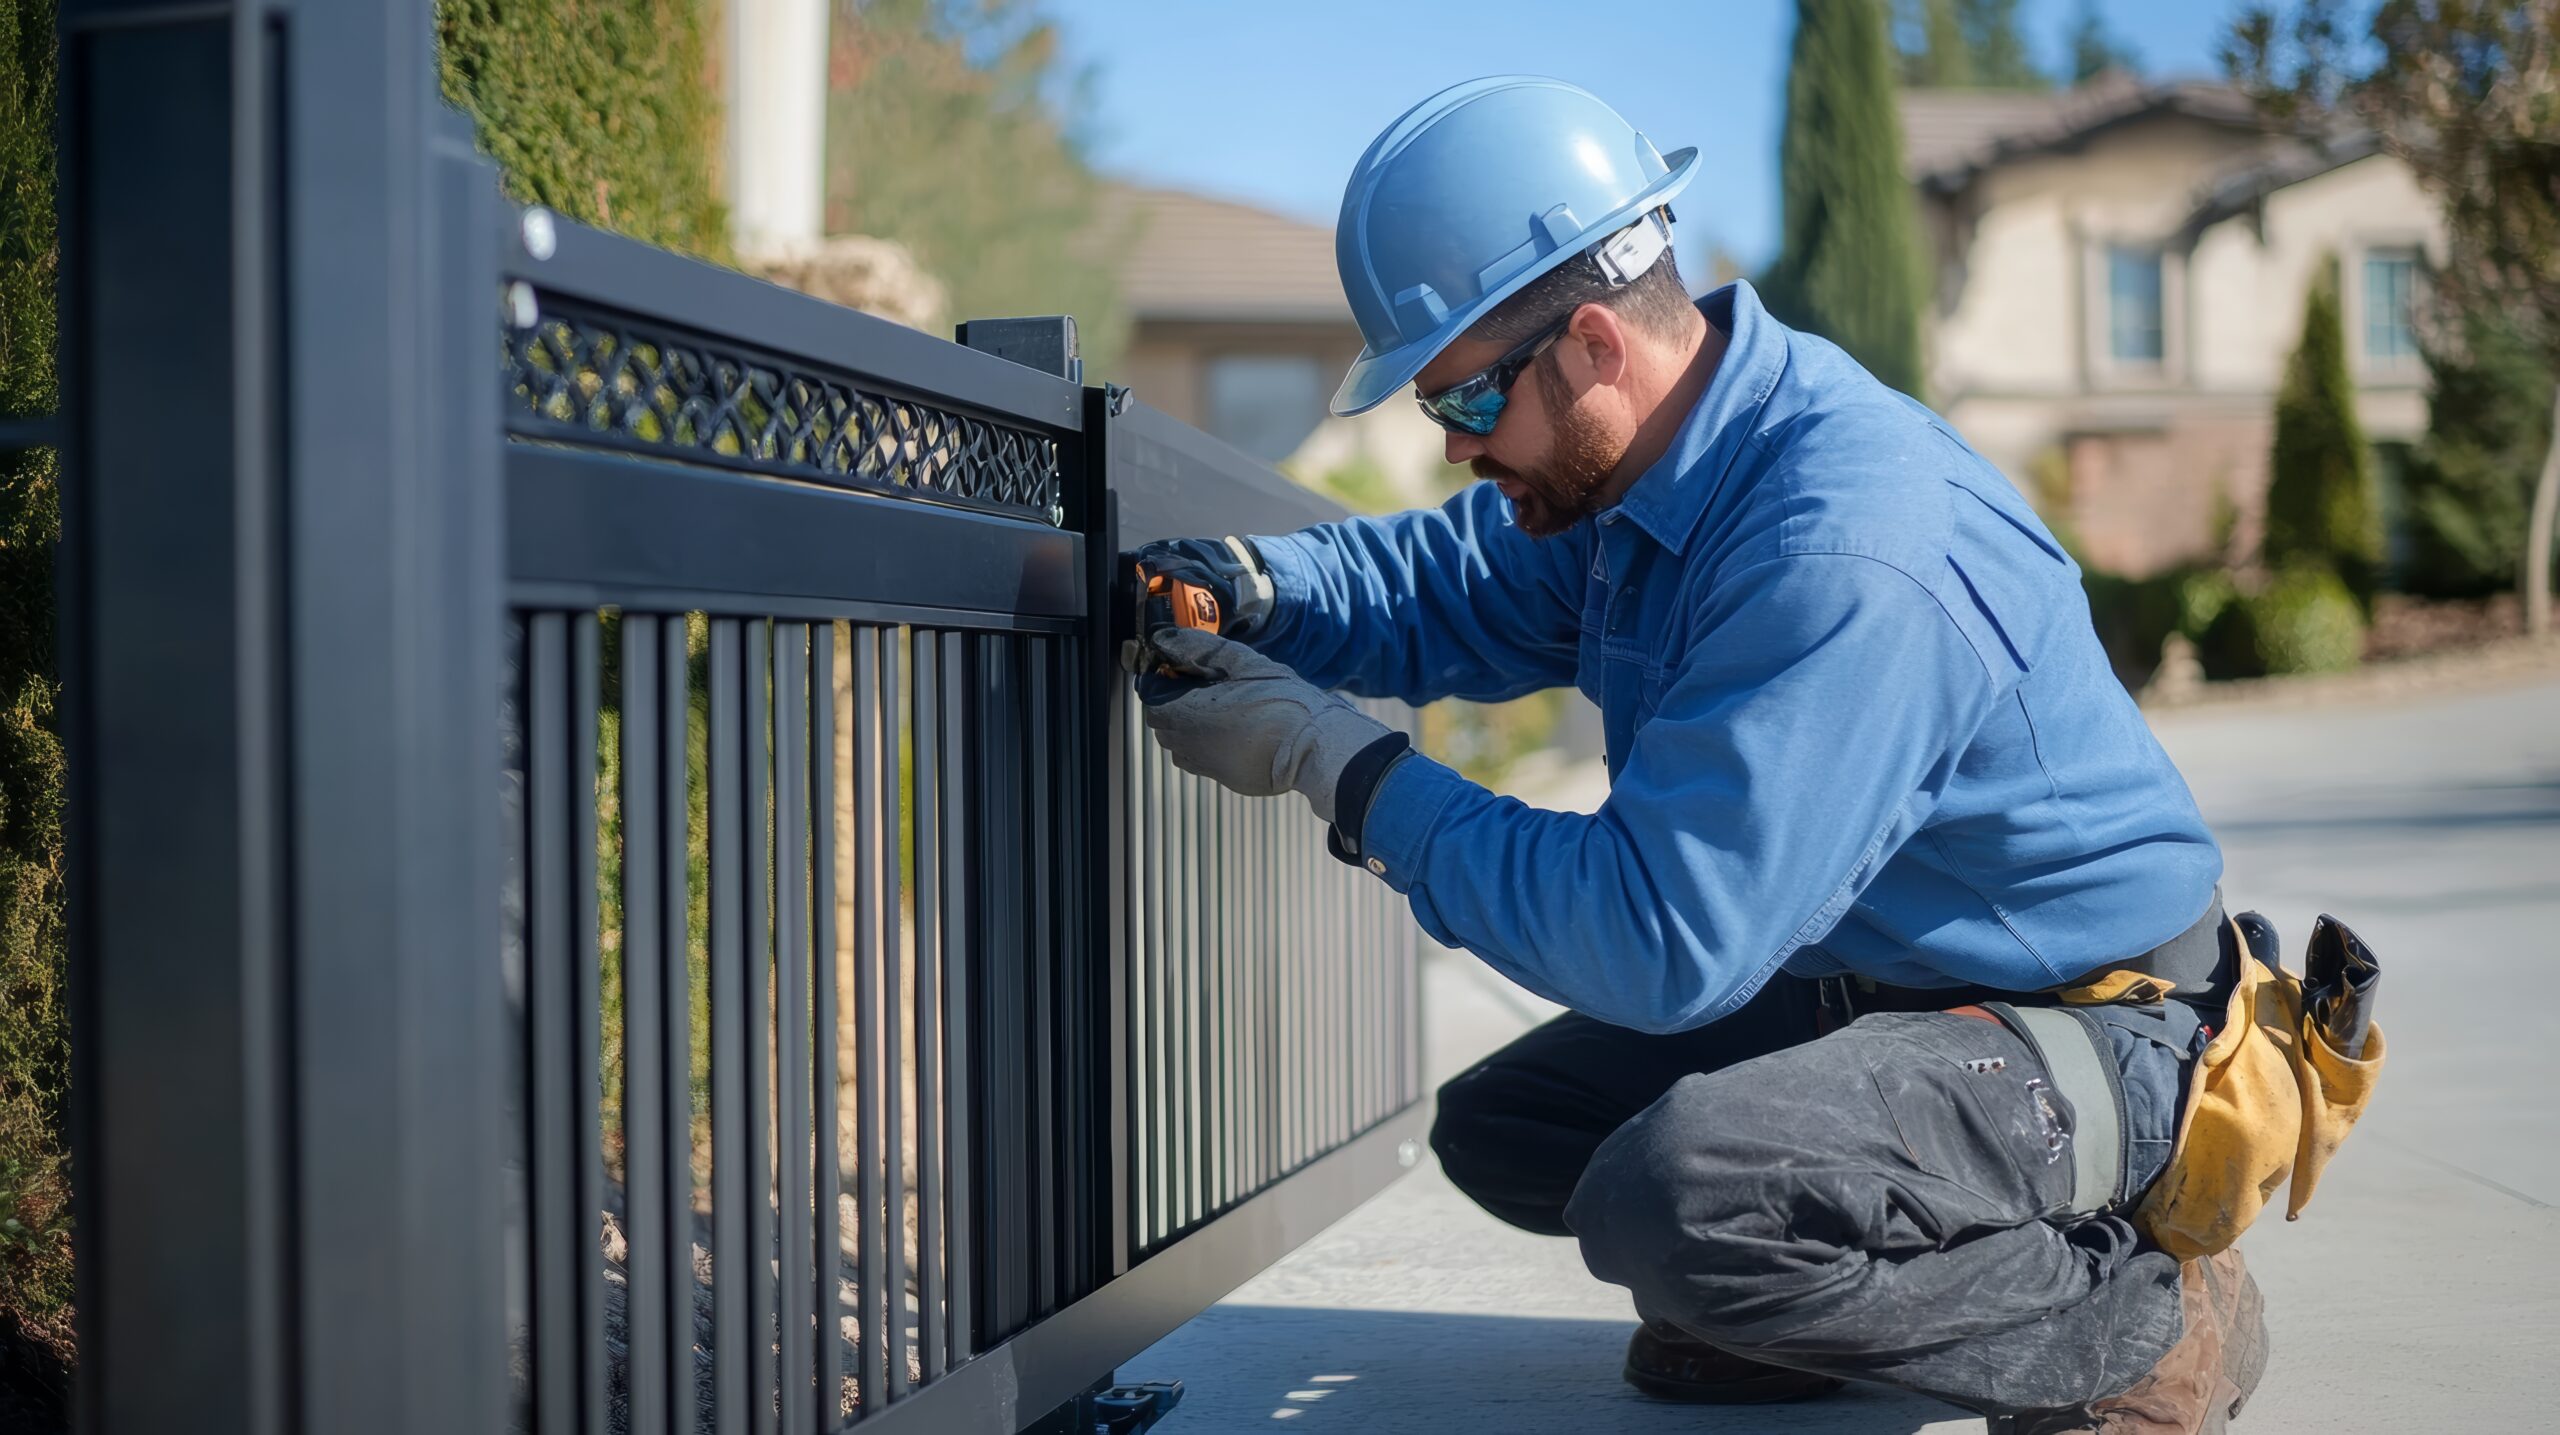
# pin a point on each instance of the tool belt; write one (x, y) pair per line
(2287, 1065)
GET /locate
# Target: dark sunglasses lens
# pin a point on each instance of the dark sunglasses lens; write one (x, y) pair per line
(1471, 408)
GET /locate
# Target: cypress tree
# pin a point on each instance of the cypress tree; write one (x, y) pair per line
(2471, 479)
(1846, 267)
(2321, 508)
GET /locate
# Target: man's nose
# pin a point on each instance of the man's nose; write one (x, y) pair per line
(1462, 447)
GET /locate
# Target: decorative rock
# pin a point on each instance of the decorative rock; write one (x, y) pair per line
(876, 276)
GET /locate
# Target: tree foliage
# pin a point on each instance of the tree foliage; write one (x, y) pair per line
(2321, 507)
(2095, 48)
(35, 1264)
(2470, 481)
(2464, 92)
(1846, 266)
(951, 129)
(599, 110)
(1965, 44)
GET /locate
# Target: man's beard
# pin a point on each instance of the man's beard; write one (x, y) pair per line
(1563, 490)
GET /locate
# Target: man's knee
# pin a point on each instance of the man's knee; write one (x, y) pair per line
(1695, 1207)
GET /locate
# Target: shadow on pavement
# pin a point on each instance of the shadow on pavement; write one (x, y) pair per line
(1408, 1372)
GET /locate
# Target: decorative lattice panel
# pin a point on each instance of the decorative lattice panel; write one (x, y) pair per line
(596, 379)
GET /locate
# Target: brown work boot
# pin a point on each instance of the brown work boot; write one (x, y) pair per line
(1668, 1363)
(2200, 1384)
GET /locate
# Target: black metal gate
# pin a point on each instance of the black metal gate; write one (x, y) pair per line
(616, 885)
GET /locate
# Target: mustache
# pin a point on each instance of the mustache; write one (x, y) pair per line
(1484, 467)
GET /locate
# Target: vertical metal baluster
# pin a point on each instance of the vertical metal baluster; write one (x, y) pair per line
(828, 1252)
(557, 1237)
(1146, 1036)
(966, 1230)
(1188, 1088)
(675, 931)
(886, 827)
(1040, 731)
(924, 651)
(873, 1228)
(730, 1013)
(586, 672)
(644, 1090)
(791, 1022)
(755, 737)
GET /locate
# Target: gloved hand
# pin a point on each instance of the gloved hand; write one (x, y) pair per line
(1252, 726)
(1227, 567)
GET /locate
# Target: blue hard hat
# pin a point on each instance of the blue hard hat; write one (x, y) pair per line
(1466, 198)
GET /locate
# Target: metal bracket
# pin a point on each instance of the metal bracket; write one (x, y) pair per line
(1129, 1409)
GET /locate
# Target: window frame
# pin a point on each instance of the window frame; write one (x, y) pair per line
(2372, 370)
(2105, 369)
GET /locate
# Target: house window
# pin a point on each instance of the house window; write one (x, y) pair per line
(2390, 306)
(1265, 404)
(2134, 311)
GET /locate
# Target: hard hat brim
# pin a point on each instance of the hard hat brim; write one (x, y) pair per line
(1374, 378)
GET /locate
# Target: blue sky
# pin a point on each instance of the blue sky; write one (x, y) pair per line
(1271, 102)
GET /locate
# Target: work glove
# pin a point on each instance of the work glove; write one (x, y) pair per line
(1229, 714)
(1228, 567)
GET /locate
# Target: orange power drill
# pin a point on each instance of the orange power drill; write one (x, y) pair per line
(1158, 600)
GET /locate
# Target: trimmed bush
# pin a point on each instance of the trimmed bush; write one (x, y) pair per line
(598, 110)
(2306, 621)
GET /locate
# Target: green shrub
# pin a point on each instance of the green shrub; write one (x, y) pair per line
(597, 110)
(2306, 621)
(2321, 506)
(35, 1253)
(2470, 481)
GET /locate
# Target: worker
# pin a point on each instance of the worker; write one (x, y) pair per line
(1875, 794)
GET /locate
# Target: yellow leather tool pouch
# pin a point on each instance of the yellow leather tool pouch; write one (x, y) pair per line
(2271, 1097)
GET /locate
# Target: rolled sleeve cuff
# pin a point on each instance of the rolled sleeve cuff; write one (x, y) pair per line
(1402, 813)
(1285, 562)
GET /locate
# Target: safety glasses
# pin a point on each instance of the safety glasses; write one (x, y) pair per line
(1474, 404)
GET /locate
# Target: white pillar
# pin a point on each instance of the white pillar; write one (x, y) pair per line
(776, 122)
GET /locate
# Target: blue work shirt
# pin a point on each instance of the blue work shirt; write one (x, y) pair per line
(1857, 718)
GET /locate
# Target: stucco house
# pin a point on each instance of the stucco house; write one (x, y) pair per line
(2118, 276)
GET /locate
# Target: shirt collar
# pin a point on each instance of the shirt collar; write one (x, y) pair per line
(1673, 494)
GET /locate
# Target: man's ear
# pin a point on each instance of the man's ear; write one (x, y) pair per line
(1595, 347)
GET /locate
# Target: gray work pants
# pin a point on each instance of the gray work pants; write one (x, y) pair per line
(1885, 1202)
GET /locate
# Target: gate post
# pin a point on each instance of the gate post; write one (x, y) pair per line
(281, 614)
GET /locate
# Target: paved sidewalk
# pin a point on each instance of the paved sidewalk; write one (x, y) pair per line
(2421, 1293)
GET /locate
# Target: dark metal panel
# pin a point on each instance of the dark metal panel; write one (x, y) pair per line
(822, 1022)
(763, 1318)
(791, 1014)
(624, 525)
(635, 278)
(646, 1154)
(925, 650)
(1174, 481)
(875, 1230)
(674, 929)
(1051, 1362)
(725, 828)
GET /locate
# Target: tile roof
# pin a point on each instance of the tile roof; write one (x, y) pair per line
(1193, 257)
(1949, 136)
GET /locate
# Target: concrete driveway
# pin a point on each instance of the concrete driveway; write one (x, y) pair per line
(2421, 1293)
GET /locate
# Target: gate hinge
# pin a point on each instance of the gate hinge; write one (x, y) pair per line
(1129, 1409)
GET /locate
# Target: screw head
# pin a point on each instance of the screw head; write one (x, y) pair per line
(523, 311)
(1407, 1153)
(541, 236)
